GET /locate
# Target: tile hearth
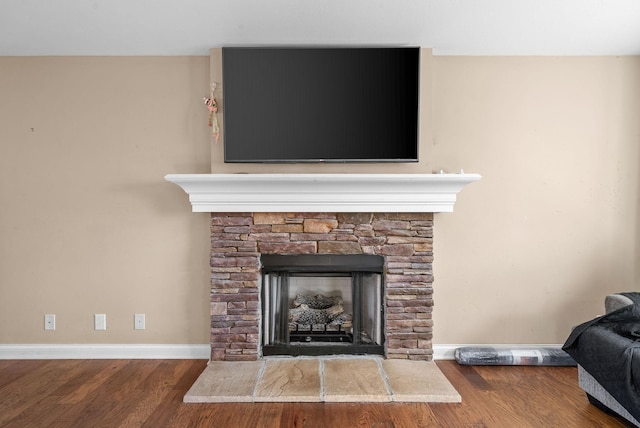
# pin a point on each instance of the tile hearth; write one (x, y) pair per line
(328, 379)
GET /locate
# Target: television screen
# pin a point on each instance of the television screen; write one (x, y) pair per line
(320, 104)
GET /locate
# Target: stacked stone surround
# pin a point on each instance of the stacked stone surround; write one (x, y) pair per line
(238, 239)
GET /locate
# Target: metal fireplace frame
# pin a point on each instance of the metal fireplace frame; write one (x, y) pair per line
(332, 342)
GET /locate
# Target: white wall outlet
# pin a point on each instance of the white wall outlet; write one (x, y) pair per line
(138, 321)
(49, 321)
(100, 321)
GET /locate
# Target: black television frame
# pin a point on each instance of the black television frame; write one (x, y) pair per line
(411, 149)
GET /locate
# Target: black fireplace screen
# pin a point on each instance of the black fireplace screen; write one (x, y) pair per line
(322, 304)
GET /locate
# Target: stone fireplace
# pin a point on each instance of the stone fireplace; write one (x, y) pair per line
(385, 215)
(404, 240)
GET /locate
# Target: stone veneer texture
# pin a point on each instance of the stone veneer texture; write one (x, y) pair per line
(238, 239)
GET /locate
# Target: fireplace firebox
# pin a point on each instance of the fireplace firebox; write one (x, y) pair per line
(322, 304)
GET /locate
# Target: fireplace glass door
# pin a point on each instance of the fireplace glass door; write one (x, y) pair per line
(322, 305)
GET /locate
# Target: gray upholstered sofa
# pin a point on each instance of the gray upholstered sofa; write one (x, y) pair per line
(599, 395)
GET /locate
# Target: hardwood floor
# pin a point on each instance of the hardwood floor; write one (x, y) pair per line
(148, 393)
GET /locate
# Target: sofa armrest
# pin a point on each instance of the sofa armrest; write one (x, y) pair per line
(613, 302)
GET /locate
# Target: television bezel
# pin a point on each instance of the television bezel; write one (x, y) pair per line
(415, 159)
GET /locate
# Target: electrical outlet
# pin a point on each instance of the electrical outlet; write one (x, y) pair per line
(138, 321)
(49, 321)
(100, 321)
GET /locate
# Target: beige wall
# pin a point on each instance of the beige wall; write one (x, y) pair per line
(88, 225)
(551, 228)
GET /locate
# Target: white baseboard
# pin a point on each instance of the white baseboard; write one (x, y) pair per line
(100, 351)
(133, 352)
(447, 352)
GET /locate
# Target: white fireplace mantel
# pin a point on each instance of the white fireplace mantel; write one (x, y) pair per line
(322, 192)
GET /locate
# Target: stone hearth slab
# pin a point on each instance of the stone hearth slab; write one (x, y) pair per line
(225, 382)
(354, 380)
(419, 381)
(324, 379)
(289, 380)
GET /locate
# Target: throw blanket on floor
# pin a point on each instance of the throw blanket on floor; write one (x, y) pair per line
(608, 348)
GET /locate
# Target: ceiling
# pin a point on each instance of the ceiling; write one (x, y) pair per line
(191, 27)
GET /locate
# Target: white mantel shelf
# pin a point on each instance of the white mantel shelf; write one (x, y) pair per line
(322, 192)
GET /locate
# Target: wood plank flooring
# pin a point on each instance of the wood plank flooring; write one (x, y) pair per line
(148, 393)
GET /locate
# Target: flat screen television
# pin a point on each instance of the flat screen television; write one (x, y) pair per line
(309, 104)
